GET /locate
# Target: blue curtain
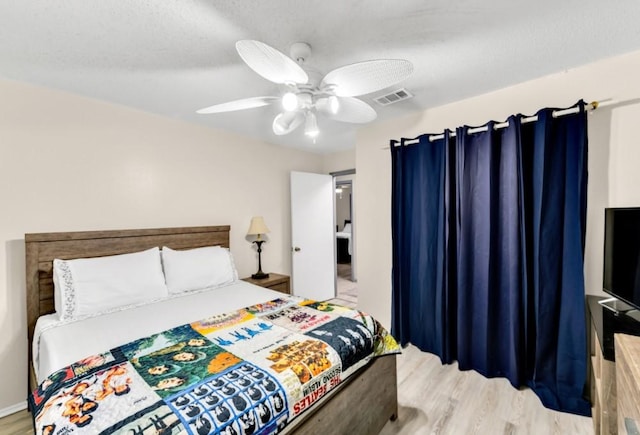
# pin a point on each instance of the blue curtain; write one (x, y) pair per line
(488, 240)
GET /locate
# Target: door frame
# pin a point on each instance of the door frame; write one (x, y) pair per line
(352, 182)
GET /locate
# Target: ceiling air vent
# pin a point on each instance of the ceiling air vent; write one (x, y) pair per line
(393, 97)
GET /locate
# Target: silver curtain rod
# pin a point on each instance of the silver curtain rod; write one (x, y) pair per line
(591, 106)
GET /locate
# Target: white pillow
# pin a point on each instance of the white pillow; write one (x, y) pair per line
(92, 285)
(195, 269)
(347, 228)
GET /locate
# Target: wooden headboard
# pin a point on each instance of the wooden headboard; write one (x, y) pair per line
(42, 248)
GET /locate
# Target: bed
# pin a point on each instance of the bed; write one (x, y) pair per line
(344, 243)
(360, 404)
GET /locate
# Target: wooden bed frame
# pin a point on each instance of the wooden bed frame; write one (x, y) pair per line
(362, 404)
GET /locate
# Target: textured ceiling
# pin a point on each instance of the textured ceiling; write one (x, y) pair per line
(173, 57)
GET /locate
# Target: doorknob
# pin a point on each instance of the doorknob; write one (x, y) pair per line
(296, 249)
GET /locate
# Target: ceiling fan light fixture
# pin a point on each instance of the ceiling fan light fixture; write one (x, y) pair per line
(311, 126)
(305, 94)
(334, 104)
(289, 101)
(286, 122)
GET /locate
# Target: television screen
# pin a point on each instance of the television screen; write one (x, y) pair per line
(621, 276)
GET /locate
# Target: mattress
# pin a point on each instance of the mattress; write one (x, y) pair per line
(343, 235)
(57, 344)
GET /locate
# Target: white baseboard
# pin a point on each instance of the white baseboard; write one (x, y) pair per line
(13, 409)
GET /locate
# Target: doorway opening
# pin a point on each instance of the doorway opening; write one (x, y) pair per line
(346, 280)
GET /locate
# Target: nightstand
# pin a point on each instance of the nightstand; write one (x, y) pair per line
(277, 282)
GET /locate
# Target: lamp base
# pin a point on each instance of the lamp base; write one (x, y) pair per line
(260, 275)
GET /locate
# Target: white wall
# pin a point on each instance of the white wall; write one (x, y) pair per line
(68, 163)
(340, 161)
(614, 156)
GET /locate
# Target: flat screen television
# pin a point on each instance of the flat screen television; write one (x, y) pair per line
(621, 277)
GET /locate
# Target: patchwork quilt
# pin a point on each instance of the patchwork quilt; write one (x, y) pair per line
(249, 371)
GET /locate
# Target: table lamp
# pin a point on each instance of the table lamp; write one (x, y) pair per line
(258, 228)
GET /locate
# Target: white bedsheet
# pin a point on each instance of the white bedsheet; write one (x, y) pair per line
(57, 344)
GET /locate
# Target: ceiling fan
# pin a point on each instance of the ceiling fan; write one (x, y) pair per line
(304, 94)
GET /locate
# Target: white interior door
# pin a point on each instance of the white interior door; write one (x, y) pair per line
(312, 236)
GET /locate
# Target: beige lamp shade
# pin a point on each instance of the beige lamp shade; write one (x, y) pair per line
(257, 226)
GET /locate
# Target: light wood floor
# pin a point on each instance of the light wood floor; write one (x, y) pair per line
(18, 423)
(347, 290)
(437, 399)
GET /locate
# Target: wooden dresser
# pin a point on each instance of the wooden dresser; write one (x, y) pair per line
(602, 380)
(276, 281)
(628, 383)
(614, 365)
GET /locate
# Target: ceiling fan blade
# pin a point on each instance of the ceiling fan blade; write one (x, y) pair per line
(366, 77)
(232, 106)
(349, 110)
(286, 122)
(270, 63)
